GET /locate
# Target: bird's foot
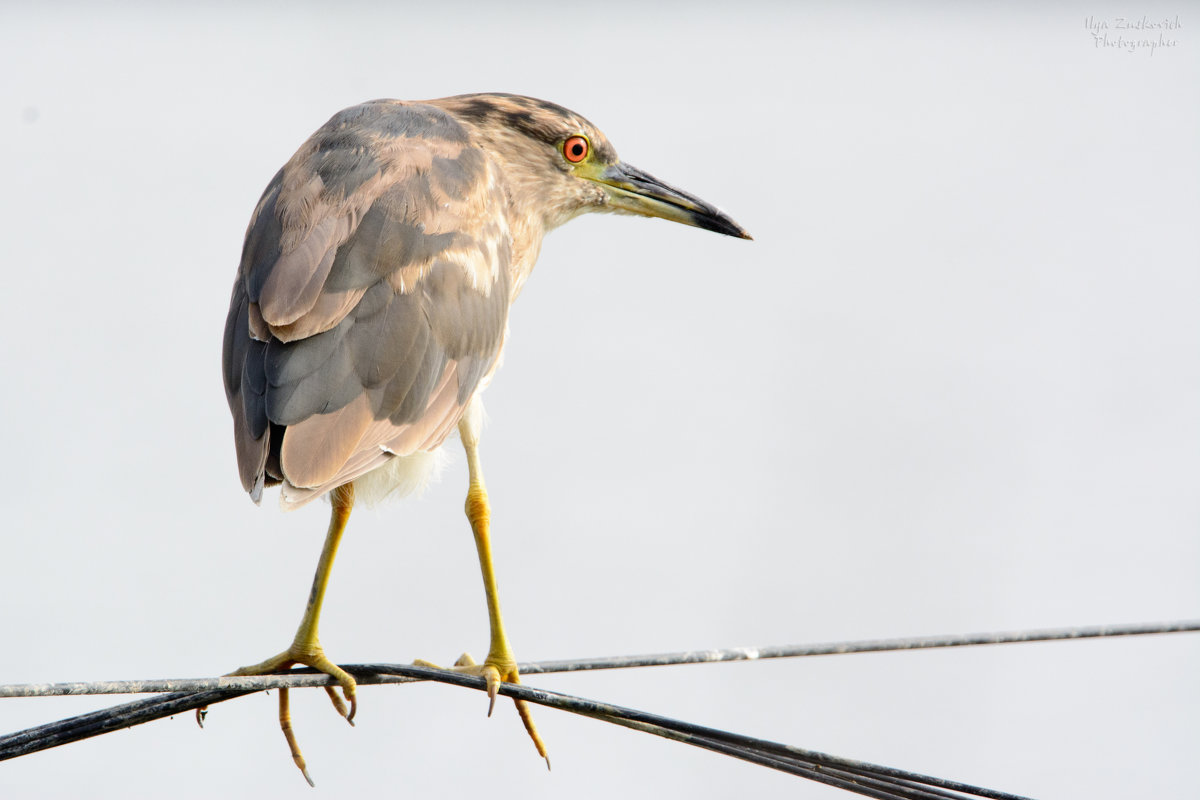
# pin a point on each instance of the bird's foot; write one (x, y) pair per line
(310, 656)
(495, 670)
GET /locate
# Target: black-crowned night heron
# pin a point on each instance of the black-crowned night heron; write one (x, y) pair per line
(371, 306)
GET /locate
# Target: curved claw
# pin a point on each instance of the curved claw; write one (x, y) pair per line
(285, 723)
(530, 728)
(340, 706)
(316, 659)
(493, 675)
(345, 679)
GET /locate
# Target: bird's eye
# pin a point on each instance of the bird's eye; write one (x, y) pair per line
(575, 149)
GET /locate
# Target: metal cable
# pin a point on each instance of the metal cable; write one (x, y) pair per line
(299, 679)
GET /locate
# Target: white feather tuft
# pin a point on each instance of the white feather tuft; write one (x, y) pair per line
(399, 477)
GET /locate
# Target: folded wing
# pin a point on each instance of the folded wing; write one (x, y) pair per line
(371, 299)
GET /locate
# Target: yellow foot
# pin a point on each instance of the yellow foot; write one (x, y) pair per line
(495, 673)
(310, 657)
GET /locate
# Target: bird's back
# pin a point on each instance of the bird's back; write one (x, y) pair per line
(371, 299)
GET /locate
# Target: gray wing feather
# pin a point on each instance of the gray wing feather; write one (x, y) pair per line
(367, 309)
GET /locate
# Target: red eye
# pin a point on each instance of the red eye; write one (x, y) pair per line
(575, 149)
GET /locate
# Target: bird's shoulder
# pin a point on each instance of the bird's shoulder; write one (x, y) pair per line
(383, 191)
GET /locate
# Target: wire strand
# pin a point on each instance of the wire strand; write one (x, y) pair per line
(865, 646)
(301, 680)
(864, 778)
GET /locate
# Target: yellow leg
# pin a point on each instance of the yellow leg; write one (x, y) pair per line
(500, 665)
(306, 647)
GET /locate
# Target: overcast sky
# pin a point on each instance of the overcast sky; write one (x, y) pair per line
(953, 385)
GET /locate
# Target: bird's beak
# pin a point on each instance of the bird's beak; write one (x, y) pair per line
(631, 190)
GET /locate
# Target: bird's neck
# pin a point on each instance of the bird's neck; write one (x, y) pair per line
(526, 245)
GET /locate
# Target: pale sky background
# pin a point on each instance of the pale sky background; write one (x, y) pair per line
(953, 385)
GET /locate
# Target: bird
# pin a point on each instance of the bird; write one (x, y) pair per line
(370, 311)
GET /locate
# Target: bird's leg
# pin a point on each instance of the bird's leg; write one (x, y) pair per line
(500, 665)
(306, 647)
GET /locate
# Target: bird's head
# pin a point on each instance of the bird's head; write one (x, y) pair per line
(560, 165)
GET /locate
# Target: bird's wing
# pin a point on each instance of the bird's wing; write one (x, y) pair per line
(371, 300)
